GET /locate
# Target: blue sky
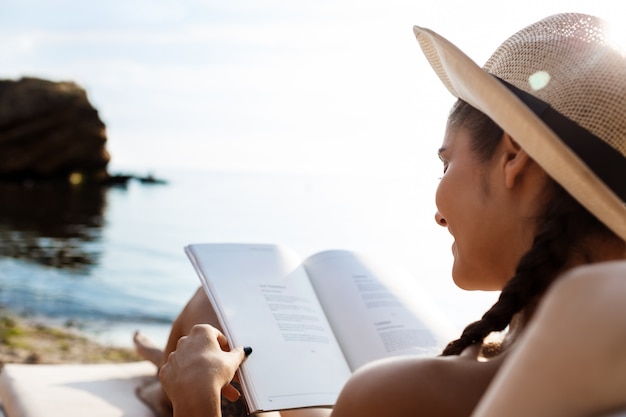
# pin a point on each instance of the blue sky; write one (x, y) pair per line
(264, 85)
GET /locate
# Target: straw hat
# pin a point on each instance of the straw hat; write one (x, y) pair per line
(558, 87)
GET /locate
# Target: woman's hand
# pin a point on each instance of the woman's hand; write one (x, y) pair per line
(199, 370)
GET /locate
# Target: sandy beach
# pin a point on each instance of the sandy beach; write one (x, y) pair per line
(25, 340)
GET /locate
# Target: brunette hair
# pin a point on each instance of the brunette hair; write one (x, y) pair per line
(562, 225)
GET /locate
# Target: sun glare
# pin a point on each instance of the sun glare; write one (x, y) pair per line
(617, 36)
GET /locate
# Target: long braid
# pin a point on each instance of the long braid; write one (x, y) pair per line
(562, 225)
(535, 272)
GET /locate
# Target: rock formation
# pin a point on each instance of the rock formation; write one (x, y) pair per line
(50, 130)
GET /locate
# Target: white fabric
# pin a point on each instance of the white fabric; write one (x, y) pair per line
(94, 390)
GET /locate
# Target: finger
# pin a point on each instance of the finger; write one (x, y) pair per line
(164, 373)
(204, 332)
(205, 329)
(180, 342)
(231, 393)
(223, 342)
(240, 354)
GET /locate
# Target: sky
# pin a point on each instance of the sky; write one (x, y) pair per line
(300, 86)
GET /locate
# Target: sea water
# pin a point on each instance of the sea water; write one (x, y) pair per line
(110, 260)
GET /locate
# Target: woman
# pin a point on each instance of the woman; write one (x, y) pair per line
(534, 161)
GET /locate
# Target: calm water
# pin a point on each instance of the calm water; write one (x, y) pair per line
(110, 260)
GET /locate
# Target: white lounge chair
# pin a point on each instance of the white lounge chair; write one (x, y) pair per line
(69, 390)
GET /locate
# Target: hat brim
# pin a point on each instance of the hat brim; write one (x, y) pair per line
(467, 81)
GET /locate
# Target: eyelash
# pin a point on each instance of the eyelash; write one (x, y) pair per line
(445, 168)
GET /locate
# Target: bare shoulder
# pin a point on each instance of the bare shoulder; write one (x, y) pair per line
(586, 277)
(600, 288)
(434, 387)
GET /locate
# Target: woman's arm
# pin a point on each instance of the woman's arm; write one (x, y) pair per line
(571, 361)
(200, 368)
(199, 371)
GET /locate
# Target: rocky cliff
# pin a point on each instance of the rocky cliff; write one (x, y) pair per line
(50, 130)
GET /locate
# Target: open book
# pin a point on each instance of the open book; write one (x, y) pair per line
(311, 323)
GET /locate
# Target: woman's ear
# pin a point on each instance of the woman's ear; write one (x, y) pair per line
(515, 161)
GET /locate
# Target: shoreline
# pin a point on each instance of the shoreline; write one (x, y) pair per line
(35, 341)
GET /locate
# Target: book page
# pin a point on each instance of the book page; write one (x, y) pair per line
(265, 300)
(375, 311)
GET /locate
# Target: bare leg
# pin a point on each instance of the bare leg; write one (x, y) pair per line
(197, 311)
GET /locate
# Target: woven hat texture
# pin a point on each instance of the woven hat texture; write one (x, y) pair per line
(570, 62)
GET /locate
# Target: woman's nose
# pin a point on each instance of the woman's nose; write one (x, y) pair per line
(440, 220)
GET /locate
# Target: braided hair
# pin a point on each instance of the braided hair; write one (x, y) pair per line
(562, 225)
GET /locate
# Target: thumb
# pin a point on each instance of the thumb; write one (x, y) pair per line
(240, 354)
(246, 351)
(237, 355)
(231, 393)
